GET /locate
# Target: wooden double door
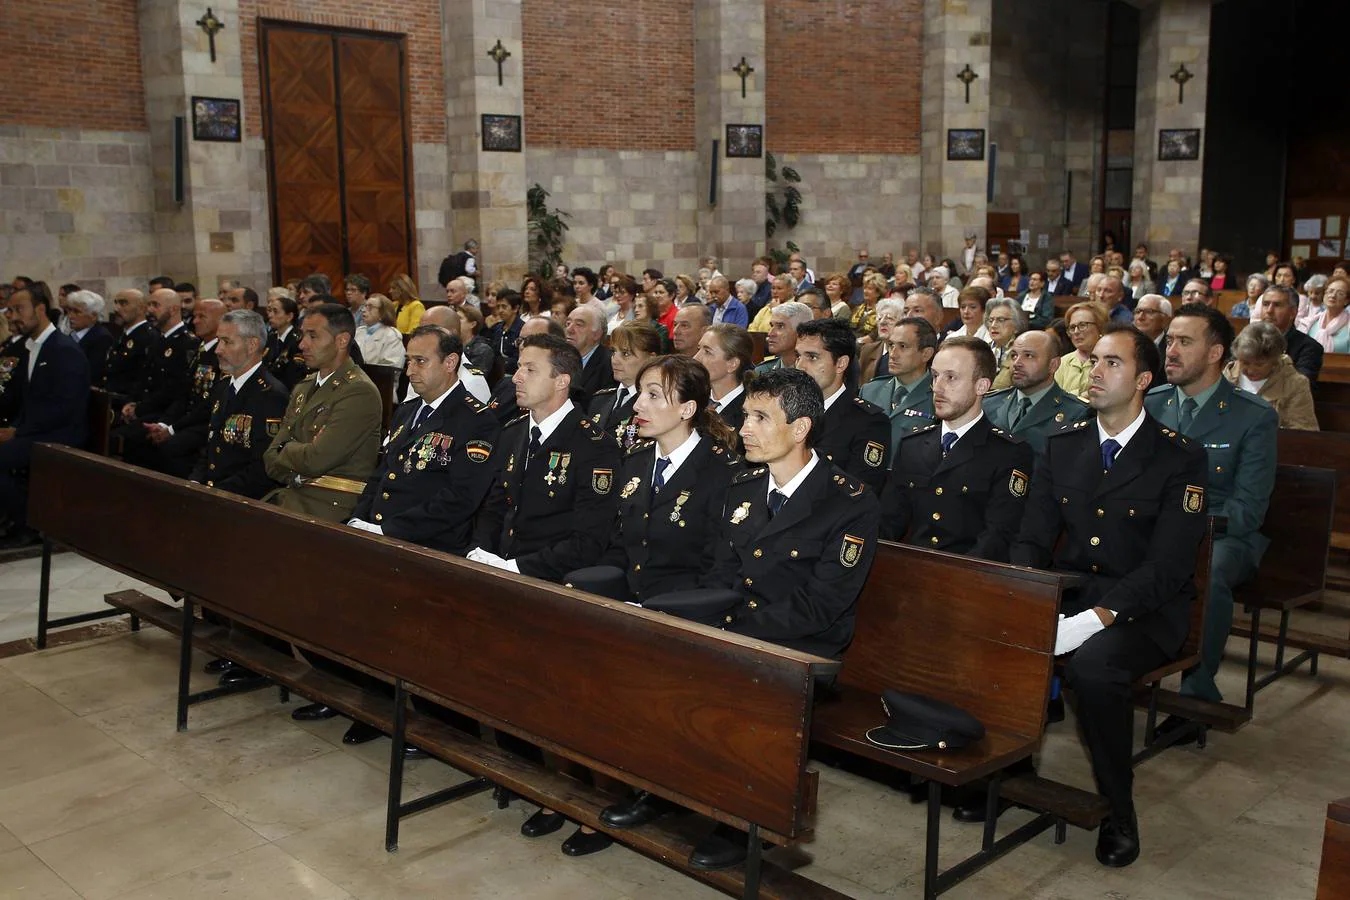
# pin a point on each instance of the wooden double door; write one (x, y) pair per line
(338, 154)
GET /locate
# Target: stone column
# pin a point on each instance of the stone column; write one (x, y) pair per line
(955, 34)
(210, 235)
(487, 190)
(724, 31)
(1166, 203)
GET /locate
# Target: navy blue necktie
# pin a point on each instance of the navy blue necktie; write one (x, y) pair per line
(1109, 450)
(948, 441)
(422, 415)
(659, 479)
(776, 500)
(535, 440)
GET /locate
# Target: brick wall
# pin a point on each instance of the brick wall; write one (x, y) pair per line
(72, 65)
(616, 74)
(420, 20)
(843, 77)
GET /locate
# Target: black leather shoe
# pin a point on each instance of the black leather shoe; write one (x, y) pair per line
(640, 810)
(542, 823)
(724, 847)
(973, 810)
(410, 752)
(1118, 841)
(361, 733)
(313, 712)
(1174, 725)
(583, 844)
(218, 666)
(238, 675)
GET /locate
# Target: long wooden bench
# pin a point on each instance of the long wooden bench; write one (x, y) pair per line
(1333, 877)
(714, 722)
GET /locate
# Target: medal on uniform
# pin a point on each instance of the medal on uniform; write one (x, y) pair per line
(131, 345)
(552, 464)
(562, 472)
(679, 507)
(246, 429)
(630, 488)
(511, 462)
(741, 514)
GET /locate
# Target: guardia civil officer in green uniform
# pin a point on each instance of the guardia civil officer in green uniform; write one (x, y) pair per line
(959, 486)
(1035, 407)
(1238, 433)
(328, 442)
(856, 435)
(780, 343)
(906, 394)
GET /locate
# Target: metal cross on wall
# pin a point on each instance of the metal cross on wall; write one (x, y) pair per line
(499, 55)
(211, 25)
(1181, 76)
(966, 76)
(743, 69)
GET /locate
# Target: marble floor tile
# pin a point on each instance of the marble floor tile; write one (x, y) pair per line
(28, 753)
(145, 846)
(261, 872)
(24, 875)
(8, 841)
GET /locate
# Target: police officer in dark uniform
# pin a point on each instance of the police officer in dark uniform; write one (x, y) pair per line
(283, 356)
(437, 464)
(552, 505)
(167, 374)
(129, 358)
(856, 435)
(1129, 495)
(13, 366)
(632, 345)
(960, 486)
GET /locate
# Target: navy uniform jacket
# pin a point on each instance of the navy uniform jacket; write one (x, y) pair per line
(55, 401)
(970, 502)
(597, 373)
(800, 572)
(284, 359)
(503, 402)
(13, 369)
(915, 410)
(1057, 409)
(96, 344)
(856, 437)
(617, 422)
(168, 375)
(192, 410)
(240, 429)
(129, 360)
(1133, 531)
(668, 542)
(557, 514)
(432, 480)
(1238, 432)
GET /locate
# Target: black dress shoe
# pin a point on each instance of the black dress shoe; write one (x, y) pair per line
(410, 752)
(583, 844)
(238, 675)
(542, 823)
(724, 847)
(640, 810)
(313, 712)
(361, 733)
(218, 666)
(974, 810)
(1173, 725)
(19, 538)
(1118, 841)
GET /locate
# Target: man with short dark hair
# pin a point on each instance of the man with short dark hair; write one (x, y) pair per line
(760, 270)
(906, 392)
(310, 288)
(1072, 270)
(650, 277)
(1279, 307)
(1237, 431)
(959, 486)
(507, 330)
(726, 308)
(240, 298)
(815, 300)
(1055, 282)
(503, 402)
(356, 288)
(1128, 495)
(161, 282)
(855, 434)
(187, 295)
(1035, 407)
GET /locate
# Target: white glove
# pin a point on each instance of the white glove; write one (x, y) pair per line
(479, 555)
(365, 526)
(1074, 631)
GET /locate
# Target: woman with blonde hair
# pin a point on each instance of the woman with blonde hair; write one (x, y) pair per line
(837, 290)
(1260, 366)
(1086, 321)
(403, 292)
(864, 318)
(377, 334)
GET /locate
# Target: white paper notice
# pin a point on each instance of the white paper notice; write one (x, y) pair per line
(1042, 241)
(1024, 236)
(1307, 229)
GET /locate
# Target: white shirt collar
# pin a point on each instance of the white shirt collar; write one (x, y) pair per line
(1126, 433)
(835, 396)
(320, 379)
(677, 456)
(134, 327)
(79, 335)
(209, 344)
(240, 380)
(281, 336)
(436, 404)
(729, 396)
(790, 488)
(35, 344)
(549, 425)
(174, 328)
(961, 432)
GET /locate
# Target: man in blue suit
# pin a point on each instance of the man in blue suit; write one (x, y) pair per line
(55, 398)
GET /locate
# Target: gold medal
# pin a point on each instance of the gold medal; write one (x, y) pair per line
(741, 514)
(630, 488)
(679, 506)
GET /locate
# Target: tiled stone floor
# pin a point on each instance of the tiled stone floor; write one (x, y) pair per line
(101, 798)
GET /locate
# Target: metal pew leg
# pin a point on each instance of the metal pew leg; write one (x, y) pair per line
(930, 858)
(396, 767)
(184, 663)
(753, 857)
(44, 593)
(991, 810)
(1251, 657)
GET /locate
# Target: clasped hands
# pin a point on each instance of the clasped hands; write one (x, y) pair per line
(1074, 631)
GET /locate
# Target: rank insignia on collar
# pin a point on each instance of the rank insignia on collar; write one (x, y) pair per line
(1017, 483)
(851, 551)
(741, 514)
(602, 480)
(1194, 499)
(630, 488)
(874, 454)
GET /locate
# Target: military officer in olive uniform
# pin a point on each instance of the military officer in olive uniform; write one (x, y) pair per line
(168, 370)
(1238, 433)
(856, 435)
(437, 464)
(906, 394)
(960, 486)
(1129, 495)
(328, 442)
(246, 409)
(1035, 407)
(551, 508)
(129, 358)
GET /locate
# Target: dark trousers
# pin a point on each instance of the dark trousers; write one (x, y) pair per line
(14, 497)
(1102, 674)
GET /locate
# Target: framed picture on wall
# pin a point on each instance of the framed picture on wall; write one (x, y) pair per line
(965, 144)
(1178, 144)
(215, 119)
(501, 134)
(745, 141)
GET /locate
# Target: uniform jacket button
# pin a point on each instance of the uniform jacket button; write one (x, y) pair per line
(749, 582)
(1095, 541)
(758, 553)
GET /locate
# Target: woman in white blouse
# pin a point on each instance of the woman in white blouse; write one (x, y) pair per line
(380, 341)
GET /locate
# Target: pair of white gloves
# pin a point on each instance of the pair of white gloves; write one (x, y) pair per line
(477, 554)
(1074, 631)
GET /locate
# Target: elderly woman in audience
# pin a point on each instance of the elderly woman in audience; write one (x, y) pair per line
(782, 288)
(872, 349)
(403, 292)
(864, 318)
(1309, 305)
(1329, 328)
(378, 335)
(1037, 304)
(1003, 321)
(1137, 279)
(1014, 282)
(643, 312)
(1259, 365)
(1085, 322)
(623, 291)
(970, 306)
(837, 289)
(1249, 307)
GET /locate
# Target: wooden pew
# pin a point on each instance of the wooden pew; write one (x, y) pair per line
(1330, 450)
(1238, 323)
(976, 634)
(1332, 416)
(1333, 878)
(1336, 371)
(757, 339)
(386, 379)
(714, 722)
(100, 419)
(1226, 300)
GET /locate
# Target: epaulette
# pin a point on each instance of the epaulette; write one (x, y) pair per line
(596, 434)
(474, 403)
(848, 484)
(1160, 388)
(1249, 397)
(638, 447)
(612, 390)
(1005, 435)
(1175, 436)
(868, 405)
(1072, 428)
(520, 418)
(750, 474)
(923, 430)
